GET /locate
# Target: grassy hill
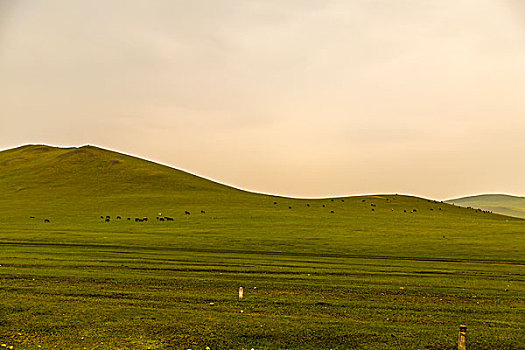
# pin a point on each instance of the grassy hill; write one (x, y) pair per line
(368, 272)
(497, 203)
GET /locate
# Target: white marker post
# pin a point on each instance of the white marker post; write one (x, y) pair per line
(241, 293)
(462, 340)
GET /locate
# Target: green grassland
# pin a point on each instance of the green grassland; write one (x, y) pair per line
(404, 275)
(498, 203)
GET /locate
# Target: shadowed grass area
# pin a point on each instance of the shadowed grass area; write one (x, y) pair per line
(380, 272)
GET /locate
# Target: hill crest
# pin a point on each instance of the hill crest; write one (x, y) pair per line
(88, 177)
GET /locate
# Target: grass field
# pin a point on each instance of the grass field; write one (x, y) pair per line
(356, 278)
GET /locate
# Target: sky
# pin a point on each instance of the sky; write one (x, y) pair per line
(303, 98)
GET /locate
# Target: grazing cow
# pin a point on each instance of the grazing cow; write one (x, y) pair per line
(414, 210)
(274, 202)
(373, 209)
(187, 212)
(331, 200)
(307, 205)
(342, 200)
(161, 219)
(331, 211)
(289, 207)
(137, 220)
(107, 220)
(404, 211)
(362, 200)
(168, 218)
(144, 219)
(324, 205)
(432, 209)
(108, 217)
(440, 209)
(101, 216)
(118, 218)
(46, 220)
(129, 219)
(203, 212)
(31, 217)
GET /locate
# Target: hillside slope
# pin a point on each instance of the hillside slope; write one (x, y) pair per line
(498, 203)
(41, 180)
(84, 179)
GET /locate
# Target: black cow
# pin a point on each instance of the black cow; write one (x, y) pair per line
(331, 211)
(203, 212)
(101, 216)
(46, 220)
(168, 218)
(118, 218)
(129, 219)
(31, 217)
(187, 212)
(289, 207)
(324, 205)
(274, 202)
(107, 220)
(144, 219)
(307, 205)
(161, 219)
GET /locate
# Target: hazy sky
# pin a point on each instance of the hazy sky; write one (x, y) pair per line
(300, 98)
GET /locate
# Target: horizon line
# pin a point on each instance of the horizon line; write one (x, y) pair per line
(259, 192)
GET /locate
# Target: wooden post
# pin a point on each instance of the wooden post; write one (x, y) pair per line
(462, 340)
(241, 293)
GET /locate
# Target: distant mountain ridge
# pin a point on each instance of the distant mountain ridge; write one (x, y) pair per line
(497, 203)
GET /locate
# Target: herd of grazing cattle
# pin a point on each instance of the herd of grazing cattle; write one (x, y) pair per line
(159, 217)
(388, 200)
(164, 218)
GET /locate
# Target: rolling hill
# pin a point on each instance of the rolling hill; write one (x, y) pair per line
(366, 272)
(498, 203)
